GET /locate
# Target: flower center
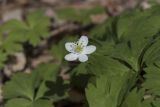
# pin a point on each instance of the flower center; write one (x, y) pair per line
(78, 49)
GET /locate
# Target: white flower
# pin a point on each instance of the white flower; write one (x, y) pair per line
(79, 50)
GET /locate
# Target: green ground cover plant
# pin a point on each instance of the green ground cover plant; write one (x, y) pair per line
(124, 70)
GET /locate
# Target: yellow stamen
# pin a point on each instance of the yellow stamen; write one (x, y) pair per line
(78, 49)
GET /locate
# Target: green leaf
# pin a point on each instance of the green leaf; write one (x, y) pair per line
(3, 57)
(125, 21)
(58, 51)
(135, 99)
(102, 64)
(33, 30)
(11, 43)
(105, 31)
(37, 18)
(56, 89)
(141, 29)
(21, 85)
(108, 90)
(112, 83)
(80, 81)
(156, 102)
(31, 89)
(133, 31)
(12, 25)
(152, 82)
(79, 15)
(20, 102)
(80, 69)
(124, 55)
(38, 27)
(152, 53)
(13, 33)
(46, 72)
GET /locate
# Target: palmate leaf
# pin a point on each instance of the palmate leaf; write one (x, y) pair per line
(32, 89)
(107, 92)
(46, 72)
(20, 102)
(133, 34)
(136, 99)
(125, 21)
(21, 85)
(11, 43)
(14, 32)
(140, 29)
(11, 25)
(33, 30)
(52, 86)
(3, 57)
(137, 41)
(57, 89)
(105, 31)
(133, 31)
(123, 55)
(97, 66)
(152, 82)
(79, 15)
(112, 83)
(152, 53)
(38, 25)
(156, 102)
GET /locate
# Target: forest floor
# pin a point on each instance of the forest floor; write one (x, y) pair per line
(17, 9)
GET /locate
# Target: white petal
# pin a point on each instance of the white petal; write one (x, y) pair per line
(69, 46)
(71, 57)
(89, 49)
(83, 40)
(83, 58)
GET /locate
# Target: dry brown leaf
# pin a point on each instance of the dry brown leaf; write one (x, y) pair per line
(12, 14)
